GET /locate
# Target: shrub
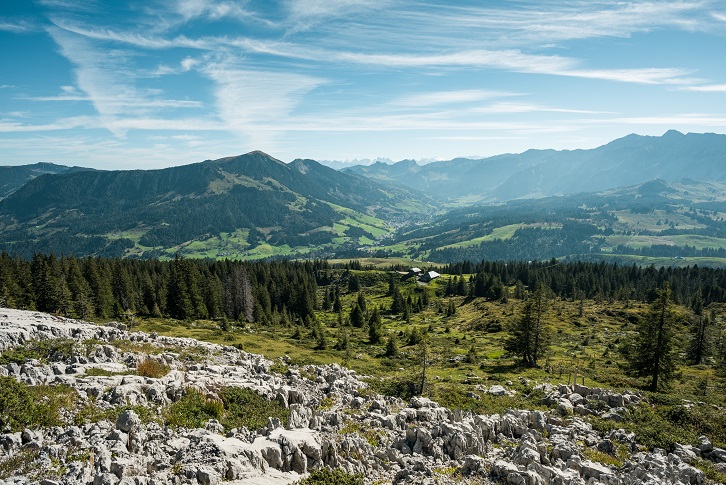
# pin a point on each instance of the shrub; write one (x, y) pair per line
(44, 350)
(23, 406)
(238, 407)
(97, 371)
(193, 410)
(21, 463)
(244, 407)
(152, 368)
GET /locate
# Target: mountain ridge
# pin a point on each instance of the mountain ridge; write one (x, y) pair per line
(538, 173)
(270, 201)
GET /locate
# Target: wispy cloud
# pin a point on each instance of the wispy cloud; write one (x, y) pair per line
(451, 97)
(108, 83)
(515, 60)
(705, 88)
(12, 126)
(17, 26)
(254, 102)
(304, 14)
(211, 9)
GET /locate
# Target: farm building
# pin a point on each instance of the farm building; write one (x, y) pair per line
(429, 275)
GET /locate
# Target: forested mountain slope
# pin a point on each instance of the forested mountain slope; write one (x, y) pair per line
(14, 177)
(250, 200)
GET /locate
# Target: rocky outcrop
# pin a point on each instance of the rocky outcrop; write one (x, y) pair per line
(334, 422)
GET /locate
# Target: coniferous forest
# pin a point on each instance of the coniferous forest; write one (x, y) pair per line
(189, 289)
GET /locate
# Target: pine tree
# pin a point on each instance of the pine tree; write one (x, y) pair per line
(398, 303)
(700, 343)
(391, 284)
(375, 327)
(353, 283)
(391, 346)
(652, 354)
(342, 343)
(357, 318)
(362, 302)
(530, 334)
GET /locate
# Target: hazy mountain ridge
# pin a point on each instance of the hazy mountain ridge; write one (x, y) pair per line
(630, 160)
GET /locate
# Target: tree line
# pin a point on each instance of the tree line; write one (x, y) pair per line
(587, 280)
(186, 289)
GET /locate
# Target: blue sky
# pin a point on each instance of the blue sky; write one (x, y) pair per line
(154, 83)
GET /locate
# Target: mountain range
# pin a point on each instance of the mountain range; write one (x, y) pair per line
(630, 160)
(246, 201)
(635, 196)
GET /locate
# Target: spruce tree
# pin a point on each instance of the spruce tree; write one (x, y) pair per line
(391, 346)
(653, 352)
(375, 327)
(530, 334)
(357, 318)
(700, 342)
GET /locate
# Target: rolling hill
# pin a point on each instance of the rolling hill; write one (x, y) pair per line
(249, 205)
(655, 222)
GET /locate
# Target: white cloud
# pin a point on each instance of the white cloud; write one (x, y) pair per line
(451, 97)
(108, 83)
(190, 9)
(256, 102)
(16, 26)
(708, 88)
(304, 14)
(188, 63)
(11, 126)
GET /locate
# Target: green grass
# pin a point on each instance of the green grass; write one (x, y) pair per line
(43, 350)
(503, 233)
(237, 407)
(97, 371)
(638, 242)
(23, 406)
(650, 221)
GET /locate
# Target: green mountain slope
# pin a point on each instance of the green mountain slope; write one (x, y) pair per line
(249, 201)
(654, 222)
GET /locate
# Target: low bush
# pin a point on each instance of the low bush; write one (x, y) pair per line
(193, 410)
(244, 407)
(43, 350)
(23, 406)
(152, 368)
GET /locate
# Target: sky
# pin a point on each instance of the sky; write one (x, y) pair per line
(119, 84)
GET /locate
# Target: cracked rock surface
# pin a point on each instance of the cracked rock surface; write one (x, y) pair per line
(334, 422)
